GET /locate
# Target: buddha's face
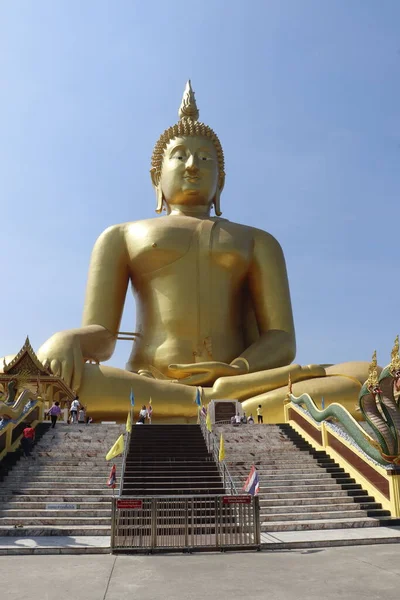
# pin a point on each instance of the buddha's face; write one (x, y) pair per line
(189, 174)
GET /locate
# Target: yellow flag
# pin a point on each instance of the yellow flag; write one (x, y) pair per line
(208, 420)
(221, 449)
(129, 423)
(117, 449)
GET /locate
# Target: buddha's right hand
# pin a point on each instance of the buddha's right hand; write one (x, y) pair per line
(62, 352)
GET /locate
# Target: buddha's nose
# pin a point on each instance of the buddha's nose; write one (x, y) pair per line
(192, 163)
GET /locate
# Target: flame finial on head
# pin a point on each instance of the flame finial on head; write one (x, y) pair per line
(188, 107)
(395, 358)
(373, 372)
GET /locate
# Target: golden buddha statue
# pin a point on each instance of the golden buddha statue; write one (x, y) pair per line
(213, 302)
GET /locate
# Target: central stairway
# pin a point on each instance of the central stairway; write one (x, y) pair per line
(300, 488)
(169, 460)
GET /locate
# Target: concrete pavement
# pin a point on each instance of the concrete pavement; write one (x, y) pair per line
(368, 571)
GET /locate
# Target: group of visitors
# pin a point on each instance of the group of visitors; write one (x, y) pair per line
(238, 419)
(77, 413)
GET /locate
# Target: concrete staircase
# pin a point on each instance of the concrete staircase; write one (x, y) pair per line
(170, 460)
(300, 488)
(67, 467)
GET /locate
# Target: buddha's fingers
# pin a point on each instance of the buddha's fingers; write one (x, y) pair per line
(200, 379)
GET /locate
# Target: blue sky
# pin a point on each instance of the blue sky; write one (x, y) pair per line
(304, 96)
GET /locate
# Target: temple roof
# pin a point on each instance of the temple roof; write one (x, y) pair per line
(26, 360)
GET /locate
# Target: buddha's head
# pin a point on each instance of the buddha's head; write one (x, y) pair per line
(188, 162)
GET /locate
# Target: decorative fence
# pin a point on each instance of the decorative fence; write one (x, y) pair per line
(186, 523)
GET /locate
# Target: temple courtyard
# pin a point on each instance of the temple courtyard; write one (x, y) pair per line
(347, 572)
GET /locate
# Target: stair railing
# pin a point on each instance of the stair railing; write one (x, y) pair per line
(212, 443)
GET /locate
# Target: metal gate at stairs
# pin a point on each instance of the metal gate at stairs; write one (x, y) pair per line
(186, 523)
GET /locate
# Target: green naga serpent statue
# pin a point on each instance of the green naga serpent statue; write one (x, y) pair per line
(379, 404)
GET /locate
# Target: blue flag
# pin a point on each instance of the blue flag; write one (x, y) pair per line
(322, 403)
(198, 399)
(132, 398)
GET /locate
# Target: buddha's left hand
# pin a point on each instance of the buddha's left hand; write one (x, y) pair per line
(204, 373)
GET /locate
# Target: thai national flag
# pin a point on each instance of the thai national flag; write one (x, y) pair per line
(112, 480)
(252, 485)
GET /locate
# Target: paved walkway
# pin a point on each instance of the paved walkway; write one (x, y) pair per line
(280, 540)
(370, 572)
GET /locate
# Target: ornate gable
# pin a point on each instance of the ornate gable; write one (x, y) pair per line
(26, 361)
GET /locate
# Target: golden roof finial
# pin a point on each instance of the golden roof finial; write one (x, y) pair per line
(395, 358)
(188, 107)
(373, 372)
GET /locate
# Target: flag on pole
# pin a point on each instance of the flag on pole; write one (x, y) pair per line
(129, 422)
(117, 449)
(208, 421)
(252, 485)
(322, 403)
(221, 454)
(198, 399)
(132, 398)
(112, 480)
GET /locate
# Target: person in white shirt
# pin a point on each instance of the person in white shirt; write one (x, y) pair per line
(74, 410)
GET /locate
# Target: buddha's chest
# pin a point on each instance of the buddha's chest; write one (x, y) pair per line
(182, 244)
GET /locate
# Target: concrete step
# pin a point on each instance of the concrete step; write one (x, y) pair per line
(309, 508)
(286, 472)
(55, 491)
(43, 498)
(53, 520)
(302, 477)
(50, 530)
(311, 515)
(50, 513)
(315, 481)
(308, 524)
(81, 504)
(274, 504)
(330, 492)
(20, 485)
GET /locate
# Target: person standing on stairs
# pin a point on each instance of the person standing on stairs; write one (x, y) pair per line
(28, 437)
(260, 419)
(74, 409)
(54, 412)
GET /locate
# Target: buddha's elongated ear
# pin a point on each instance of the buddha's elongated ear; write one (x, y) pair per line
(155, 180)
(216, 201)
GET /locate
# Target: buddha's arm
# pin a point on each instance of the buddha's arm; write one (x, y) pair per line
(269, 288)
(67, 350)
(105, 295)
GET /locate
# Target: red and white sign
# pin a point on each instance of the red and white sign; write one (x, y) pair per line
(129, 504)
(236, 500)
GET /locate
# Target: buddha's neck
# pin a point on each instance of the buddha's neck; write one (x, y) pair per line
(190, 211)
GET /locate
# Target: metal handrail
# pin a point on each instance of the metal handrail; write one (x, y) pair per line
(213, 447)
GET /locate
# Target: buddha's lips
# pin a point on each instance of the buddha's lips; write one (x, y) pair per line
(192, 179)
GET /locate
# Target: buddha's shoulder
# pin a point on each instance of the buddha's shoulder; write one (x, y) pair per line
(121, 230)
(260, 236)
